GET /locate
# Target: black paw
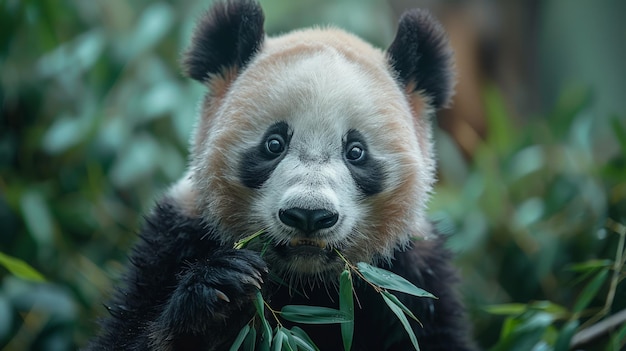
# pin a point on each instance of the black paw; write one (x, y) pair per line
(212, 292)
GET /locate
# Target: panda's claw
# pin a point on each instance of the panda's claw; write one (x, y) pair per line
(220, 295)
(258, 277)
(252, 280)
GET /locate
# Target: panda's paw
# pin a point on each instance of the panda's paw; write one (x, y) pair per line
(211, 291)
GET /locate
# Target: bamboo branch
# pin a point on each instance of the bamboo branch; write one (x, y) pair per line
(597, 330)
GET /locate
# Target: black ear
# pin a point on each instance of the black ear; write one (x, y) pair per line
(228, 35)
(422, 56)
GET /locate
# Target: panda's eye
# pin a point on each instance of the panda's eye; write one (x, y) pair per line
(355, 152)
(275, 144)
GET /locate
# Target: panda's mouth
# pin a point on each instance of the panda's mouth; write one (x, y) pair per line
(304, 242)
(305, 247)
(305, 255)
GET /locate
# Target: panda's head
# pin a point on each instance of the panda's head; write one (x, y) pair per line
(314, 136)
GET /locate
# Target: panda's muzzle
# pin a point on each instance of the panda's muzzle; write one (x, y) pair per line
(306, 220)
(308, 242)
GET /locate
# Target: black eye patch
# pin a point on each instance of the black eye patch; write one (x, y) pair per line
(366, 171)
(258, 162)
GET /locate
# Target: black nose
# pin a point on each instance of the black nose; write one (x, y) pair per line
(308, 220)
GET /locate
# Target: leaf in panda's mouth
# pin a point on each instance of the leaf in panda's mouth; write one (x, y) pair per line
(308, 242)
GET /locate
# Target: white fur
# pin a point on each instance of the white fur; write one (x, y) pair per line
(321, 96)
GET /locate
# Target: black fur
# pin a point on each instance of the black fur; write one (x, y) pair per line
(170, 300)
(184, 290)
(171, 297)
(366, 172)
(420, 53)
(426, 264)
(228, 35)
(257, 164)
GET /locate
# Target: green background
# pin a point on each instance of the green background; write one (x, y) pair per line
(95, 118)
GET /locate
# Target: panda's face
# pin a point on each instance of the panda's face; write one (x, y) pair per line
(314, 137)
(315, 164)
(319, 151)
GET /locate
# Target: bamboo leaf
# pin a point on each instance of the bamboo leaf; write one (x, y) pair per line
(303, 340)
(397, 302)
(405, 322)
(525, 332)
(289, 341)
(620, 132)
(264, 346)
(590, 291)
(250, 343)
(499, 123)
(389, 280)
(565, 336)
(240, 338)
(241, 243)
(555, 310)
(20, 268)
(508, 327)
(590, 265)
(313, 314)
(346, 305)
(266, 335)
(278, 340)
(509, 309)
(619, 337)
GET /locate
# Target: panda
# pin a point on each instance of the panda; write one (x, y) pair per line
(323, 143)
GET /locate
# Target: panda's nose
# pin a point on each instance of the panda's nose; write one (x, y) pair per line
(306, 220)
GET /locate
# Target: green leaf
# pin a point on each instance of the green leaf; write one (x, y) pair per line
(79, 54)
(571, 103)
(241, 243)
(303, 340)
(618, 339)
(153, 24)
(510, 309)
(620, 132)
(529, 212)
(289, 342)
(508, 327)
(20, 268)
(259, 304)
(37, 217)
(516, 309)
(389, 280)
(313, 314)
(240, 338)
(555, 310)
(139, 159)
(405, 322)
(397, 302)
(590, 265)
(64, 133)
(277, 343)
(264, 345)
(452, 165)
(565, 336)
(264, 249)
(346, 305)
(6, 314)
(266, 335)
(250, 343)
(502, 133)
(525, 332)
(590, 291)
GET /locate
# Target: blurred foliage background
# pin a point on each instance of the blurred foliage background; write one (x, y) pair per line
(95, 119)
